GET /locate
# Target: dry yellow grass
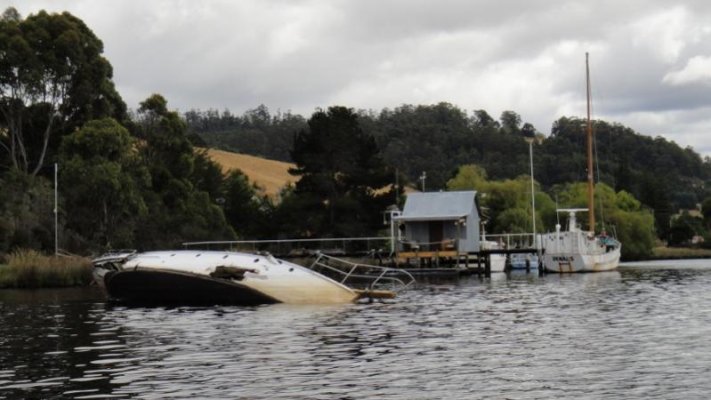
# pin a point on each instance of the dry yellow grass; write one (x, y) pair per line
(662, 252)
(269, 175)
(32, 269)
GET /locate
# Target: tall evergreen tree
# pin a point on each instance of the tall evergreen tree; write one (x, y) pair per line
(178, 209)
(105, 179)
(343, 179)
(246, 211)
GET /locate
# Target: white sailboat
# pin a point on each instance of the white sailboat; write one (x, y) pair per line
(575, 250)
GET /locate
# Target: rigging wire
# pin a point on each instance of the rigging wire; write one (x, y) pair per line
(597, 170)
(597, 164)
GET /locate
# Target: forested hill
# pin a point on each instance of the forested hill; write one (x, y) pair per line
(256, 132)
(437, 139)
(661, 174)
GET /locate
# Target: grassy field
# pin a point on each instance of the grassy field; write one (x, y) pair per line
(270, 175)
(29, 269)
(680, 252)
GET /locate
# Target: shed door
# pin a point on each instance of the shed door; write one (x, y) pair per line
(436, 233)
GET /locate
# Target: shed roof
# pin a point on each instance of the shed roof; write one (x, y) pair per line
(433, 206)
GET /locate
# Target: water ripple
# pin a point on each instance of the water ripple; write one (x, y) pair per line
(636, 333)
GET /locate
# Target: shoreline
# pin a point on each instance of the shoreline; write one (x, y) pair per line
(678, 253)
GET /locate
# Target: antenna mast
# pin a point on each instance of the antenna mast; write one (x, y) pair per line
(591, 183)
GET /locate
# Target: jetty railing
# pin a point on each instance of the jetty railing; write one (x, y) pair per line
(514, 240)
(301, 247)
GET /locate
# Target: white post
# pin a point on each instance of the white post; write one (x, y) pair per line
(56, 212)
(393, 239)
(392, 234)
(423, 177)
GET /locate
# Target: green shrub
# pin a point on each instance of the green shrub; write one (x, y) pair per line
(31, 269)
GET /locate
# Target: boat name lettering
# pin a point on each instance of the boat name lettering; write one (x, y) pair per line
(562, 258)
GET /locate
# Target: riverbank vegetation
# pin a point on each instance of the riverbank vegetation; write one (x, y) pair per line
(509, 204)
(29, 269)
(668, 253)
(137, 178)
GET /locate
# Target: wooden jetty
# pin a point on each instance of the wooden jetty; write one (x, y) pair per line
(443, 258)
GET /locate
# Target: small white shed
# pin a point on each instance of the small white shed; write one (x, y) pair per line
(435, 221)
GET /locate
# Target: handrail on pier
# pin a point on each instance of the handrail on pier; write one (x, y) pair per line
(516, 240)
(285, 247)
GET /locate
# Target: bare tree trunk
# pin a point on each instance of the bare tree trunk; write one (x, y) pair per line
(11, 147)
(16, 148)
(45, 143)
(21, 149)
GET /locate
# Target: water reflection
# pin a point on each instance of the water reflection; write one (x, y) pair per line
(633, 333)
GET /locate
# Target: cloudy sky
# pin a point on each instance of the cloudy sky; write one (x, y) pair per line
(650, 60)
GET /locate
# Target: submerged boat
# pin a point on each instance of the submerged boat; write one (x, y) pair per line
(575, 250)
(224, 277)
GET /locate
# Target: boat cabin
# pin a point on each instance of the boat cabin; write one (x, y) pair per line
(440, 221)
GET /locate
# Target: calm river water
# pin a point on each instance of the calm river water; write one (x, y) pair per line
(642, 332)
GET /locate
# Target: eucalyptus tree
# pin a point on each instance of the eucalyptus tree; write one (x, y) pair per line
(181, 203)
(506, 203)
(53, 78)
(482, 119)
(425, 138)
(510, 121)
(104, 180)
(247, 211)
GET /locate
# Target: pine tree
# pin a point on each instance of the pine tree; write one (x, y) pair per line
(340, 192)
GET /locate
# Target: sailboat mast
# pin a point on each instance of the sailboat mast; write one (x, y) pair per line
(591, 183)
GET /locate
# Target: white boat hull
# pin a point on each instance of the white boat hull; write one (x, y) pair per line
(498, 262)
(567, 262)
(211, 277)
(579, 251)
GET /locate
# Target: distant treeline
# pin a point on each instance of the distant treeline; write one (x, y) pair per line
(438, 139)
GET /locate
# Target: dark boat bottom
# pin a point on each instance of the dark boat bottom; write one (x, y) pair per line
(149, 287)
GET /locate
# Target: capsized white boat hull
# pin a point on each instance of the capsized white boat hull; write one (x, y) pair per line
(154, 286)
(198, 277)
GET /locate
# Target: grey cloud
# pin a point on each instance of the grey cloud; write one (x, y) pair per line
(495, 55)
